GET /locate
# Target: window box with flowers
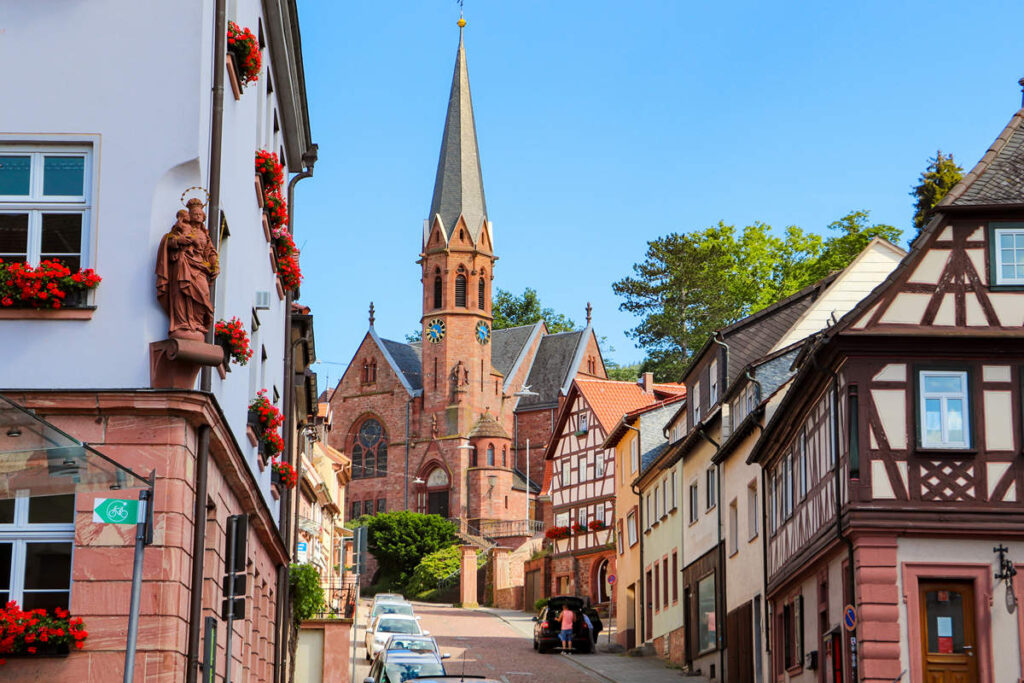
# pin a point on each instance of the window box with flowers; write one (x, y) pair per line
(597, 525)
(283, 474)
(578, 528)
(264, 419)
(231, 336)
(288, 262)
(243, 59)
(557, 533)
(49, 290)
(271, 445)
(38, 633)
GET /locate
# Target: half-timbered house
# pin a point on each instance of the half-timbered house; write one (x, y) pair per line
(582, 480)
(894, 461)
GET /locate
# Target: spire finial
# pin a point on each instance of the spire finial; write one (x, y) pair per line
(589, 310)
(1021, 84)
(371, 314)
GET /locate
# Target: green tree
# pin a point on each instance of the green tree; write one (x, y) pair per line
(399, 540)
(512, 310)
(690, 284)
(307, 598)
(937, 179)
(622, 373)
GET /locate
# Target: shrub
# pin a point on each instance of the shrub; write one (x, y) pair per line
(432, 568)
(399, 540)
(540, 604)
(306, 592)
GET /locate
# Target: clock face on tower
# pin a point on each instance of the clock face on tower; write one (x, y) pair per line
(483, 333)
(435, 330)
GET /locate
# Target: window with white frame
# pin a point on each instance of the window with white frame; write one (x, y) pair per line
(801, 469)
(599, 464)
(787, 486)
(659, 504)
(713, 383)
(45, 202)
(631, 528)
(1008, 249)
(618, 537)
(752, 511)
(650, 513)
(695, 399)
(582, 468)
(664, 497)
(672, 478)
(562, 519)
(944, 409)
(773, 503)
(734, 527)
(36, 540)
(712, 488)
(566, 469)
(694, 504)
(634, 454)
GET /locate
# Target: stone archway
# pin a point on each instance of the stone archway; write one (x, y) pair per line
(436, 492)
(600, 590)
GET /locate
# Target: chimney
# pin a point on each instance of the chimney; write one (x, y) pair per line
(647, 382)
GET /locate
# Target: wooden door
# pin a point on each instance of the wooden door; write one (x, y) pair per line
(532, 589)
(949, 644)
(739, 653)
(437, 503)
(649, 608)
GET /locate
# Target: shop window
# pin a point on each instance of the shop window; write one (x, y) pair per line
(792, 633)
(707, 623)
(36, 539)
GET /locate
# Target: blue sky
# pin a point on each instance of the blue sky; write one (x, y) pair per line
(604, 125)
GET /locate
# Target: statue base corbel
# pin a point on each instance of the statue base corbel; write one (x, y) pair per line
(175, 363)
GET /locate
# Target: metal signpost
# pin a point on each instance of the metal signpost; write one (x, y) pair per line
(359, 563)
(210, 650)
(140, 513)
(233, 605)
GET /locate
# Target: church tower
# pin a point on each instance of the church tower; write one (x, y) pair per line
(457, 260)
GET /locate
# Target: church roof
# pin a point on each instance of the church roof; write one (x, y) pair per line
(508, 344)
(997, 179)
(405, 360)
(551, 367)
(459, 186)
(487, 427)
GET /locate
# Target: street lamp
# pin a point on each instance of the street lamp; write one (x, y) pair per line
(524, 393)
(1006, 573)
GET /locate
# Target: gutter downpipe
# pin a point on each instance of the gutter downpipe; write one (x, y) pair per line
(195, 609)
(764, 562)
(408, 408)
(839, 503)
(720, 340)
(721, 546)
(640, 535)
(285, 516)
(220, 49)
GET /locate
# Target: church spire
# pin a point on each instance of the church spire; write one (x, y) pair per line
(459, 186)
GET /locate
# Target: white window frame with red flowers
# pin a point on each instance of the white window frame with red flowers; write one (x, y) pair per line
(35, 203)
(19, 535)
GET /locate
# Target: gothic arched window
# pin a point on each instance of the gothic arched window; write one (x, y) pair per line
(490, 455)
(480, 294)
(460, 290)
(472, 458)
(438, 299)
(370, 450)
(504, 456)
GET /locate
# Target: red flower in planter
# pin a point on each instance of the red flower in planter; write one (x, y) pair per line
(270, 171)
(244, 47)
(269, 417)
(277, 211)
(233, 334)
(21, 631)
(286, 473)
(288, 261)
(578, 528)
(273, 443)
(557, 533)
(42, 286)
(596, 525)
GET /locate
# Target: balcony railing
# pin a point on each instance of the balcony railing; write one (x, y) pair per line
(339, 602)
(504, 528)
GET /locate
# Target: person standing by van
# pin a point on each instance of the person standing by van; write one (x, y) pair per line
(567, 617)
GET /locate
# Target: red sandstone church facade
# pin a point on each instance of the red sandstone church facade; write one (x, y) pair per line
(458, 423)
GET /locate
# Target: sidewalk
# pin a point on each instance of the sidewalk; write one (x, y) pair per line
(614, 668)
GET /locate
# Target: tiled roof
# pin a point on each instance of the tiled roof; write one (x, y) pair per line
(551, 366)
(677, 388)
(507, 344)
(407, 358)
(670, 404)
(610, 400)
(487, 426)
(998, 179)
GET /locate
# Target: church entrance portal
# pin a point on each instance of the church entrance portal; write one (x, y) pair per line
(437, 492)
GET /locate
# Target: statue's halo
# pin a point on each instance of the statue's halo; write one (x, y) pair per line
(189, 194)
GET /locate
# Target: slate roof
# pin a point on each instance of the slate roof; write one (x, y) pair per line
(507, 344)
(487, 427)
(667, 404)
(998, 179)
(408, 361)
(551, 367)
(459, 186)
(519, 482)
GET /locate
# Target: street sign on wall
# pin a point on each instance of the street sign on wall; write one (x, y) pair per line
(115, 511)
(301, 550)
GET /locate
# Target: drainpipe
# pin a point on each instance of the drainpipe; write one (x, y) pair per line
(719, 585)
(195, 609)
(764, 553)
(220, 51)
(854, 440)
(285, 517)
(640, 535)
(408, 408)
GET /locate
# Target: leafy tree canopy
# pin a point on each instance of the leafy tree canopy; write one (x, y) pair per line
(622, 373)
(512, 310)
(306, 592)
(399, 540)
(690, 284)
(937, 179)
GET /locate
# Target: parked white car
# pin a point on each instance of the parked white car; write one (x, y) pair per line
(379, 608)
(387, 624)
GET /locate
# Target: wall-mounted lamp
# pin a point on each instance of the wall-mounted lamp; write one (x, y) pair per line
(1006, 573)
(14, 432)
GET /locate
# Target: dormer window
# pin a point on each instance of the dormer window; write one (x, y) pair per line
(713, 386)
(696, 402)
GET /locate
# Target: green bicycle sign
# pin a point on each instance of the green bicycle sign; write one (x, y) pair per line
(116, 511)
